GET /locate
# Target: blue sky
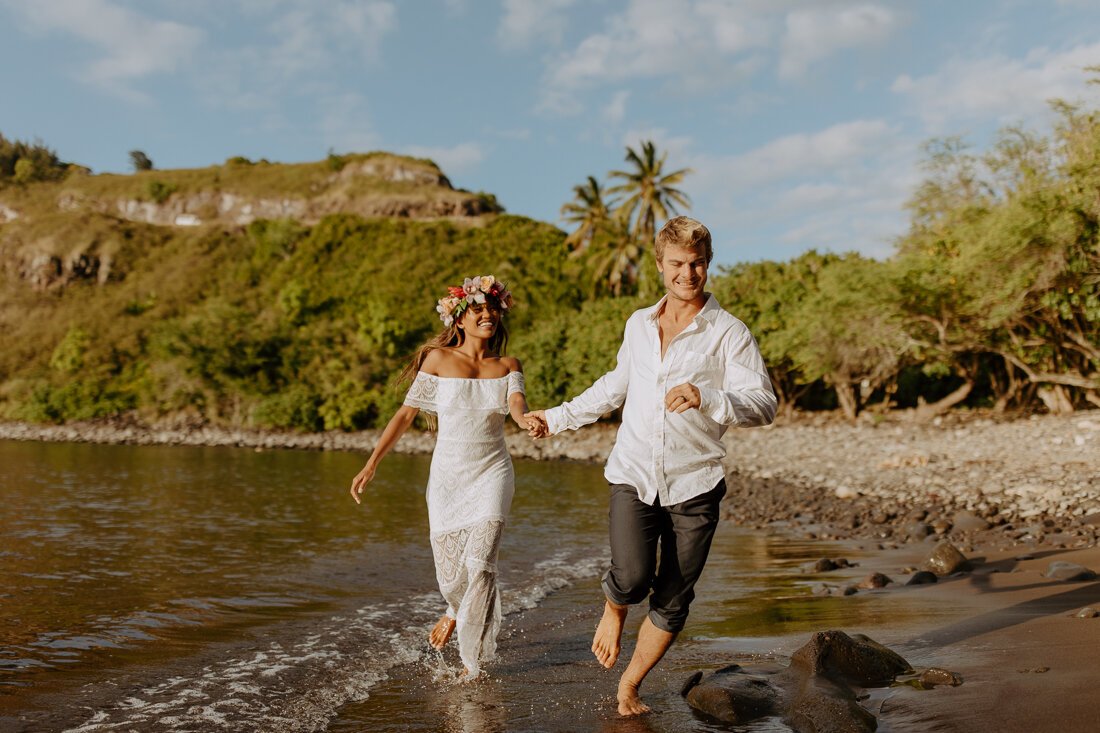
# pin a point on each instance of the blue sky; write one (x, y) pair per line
(803, 120)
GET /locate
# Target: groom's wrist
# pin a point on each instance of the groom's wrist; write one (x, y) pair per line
(554, 420)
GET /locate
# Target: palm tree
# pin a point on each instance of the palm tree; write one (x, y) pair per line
(587, 211)
(650, 193)
(614, 255)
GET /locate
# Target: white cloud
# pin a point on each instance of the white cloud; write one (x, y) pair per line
(839, 189)
(1003, 88)
(456, 160)
(532, 21)
(309, 37)
(132, 44)
(677, 147)
(697, 45)
(615, 112)
(826, 152)
(815, 33)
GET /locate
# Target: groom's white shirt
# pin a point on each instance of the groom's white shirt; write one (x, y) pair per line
(675, 456)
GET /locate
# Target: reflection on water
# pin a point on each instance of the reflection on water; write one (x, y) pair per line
(195, 588)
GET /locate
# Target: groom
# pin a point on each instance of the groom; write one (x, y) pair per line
(686, 371)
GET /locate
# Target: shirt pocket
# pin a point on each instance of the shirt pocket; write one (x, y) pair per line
(702, 370)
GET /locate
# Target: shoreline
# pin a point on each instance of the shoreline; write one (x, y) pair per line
(966, 475)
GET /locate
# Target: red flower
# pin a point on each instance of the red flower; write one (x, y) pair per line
(457, 292)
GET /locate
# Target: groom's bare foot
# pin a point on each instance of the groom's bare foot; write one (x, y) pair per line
(629, 702)
(606, 643)
(442, 632)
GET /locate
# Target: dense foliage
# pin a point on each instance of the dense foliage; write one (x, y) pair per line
(22, 162)
(991, 298)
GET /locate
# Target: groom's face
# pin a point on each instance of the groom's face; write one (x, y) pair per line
(684, 271)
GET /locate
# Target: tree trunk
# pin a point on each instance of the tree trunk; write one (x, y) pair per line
(846, 397)
(1056, 400)
(927, 411)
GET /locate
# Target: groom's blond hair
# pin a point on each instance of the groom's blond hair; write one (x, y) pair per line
(683, 231)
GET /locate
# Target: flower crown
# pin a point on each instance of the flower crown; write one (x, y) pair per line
(474, 290)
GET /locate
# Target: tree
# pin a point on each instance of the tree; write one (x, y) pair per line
(140, 161)
(614, 255)
(588, 212)
(847, 331)
(649, 191)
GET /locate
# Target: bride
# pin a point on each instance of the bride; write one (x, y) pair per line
(462, 376)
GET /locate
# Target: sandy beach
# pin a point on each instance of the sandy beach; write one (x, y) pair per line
(1013, 495)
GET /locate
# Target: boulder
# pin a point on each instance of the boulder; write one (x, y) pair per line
(944, 560)
(816, 693)
(732, 695)
(933, 676)
(1068, 572)
(922, 577)
(968, 522)
(875, 580)
(855, 659)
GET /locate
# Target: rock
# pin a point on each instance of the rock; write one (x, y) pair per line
(917, 530)
(922, 577)
(1087, 612)
(941, 526)
(1068, 572)
(732, 696)
(824, 711)
(816, 693)
(968, 522)
(874, 580)
(857, 659)
(825, 565)
(849, 590)
(935, 676)
(944, 560)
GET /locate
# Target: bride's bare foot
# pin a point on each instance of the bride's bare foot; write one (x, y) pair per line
(629, 702)
(442, 632)
(606, 643)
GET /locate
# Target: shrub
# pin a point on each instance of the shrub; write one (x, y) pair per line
(159, 191)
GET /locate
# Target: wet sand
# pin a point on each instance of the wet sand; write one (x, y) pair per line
(1028, 664)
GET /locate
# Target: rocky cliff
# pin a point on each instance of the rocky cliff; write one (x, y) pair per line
(54, 233)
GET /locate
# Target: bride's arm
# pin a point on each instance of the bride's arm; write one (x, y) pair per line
(517, 402)
(395, 428)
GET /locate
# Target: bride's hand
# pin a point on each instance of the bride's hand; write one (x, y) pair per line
(536, 424)
(361, 479)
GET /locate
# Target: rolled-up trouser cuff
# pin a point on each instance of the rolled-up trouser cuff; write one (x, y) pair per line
(672, 626)
(619, 598)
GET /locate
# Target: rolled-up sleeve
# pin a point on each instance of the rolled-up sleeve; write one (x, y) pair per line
(606, 394)
(746, 398)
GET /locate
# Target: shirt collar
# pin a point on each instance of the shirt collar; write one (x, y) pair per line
(708, 312)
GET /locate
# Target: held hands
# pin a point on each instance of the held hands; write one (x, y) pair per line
(537, 426)
(682, 397)
(361, 479)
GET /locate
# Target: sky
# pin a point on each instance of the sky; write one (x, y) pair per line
(803, 121)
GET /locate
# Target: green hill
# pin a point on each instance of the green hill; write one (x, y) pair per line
(112, 303)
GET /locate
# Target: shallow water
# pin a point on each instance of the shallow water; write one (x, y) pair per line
(148, 588)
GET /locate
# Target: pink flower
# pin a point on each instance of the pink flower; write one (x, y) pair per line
(470, 285)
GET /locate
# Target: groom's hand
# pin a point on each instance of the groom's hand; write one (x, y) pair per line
(682, 397)
(537, 427)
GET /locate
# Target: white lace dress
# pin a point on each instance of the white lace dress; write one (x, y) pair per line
(469, 494)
